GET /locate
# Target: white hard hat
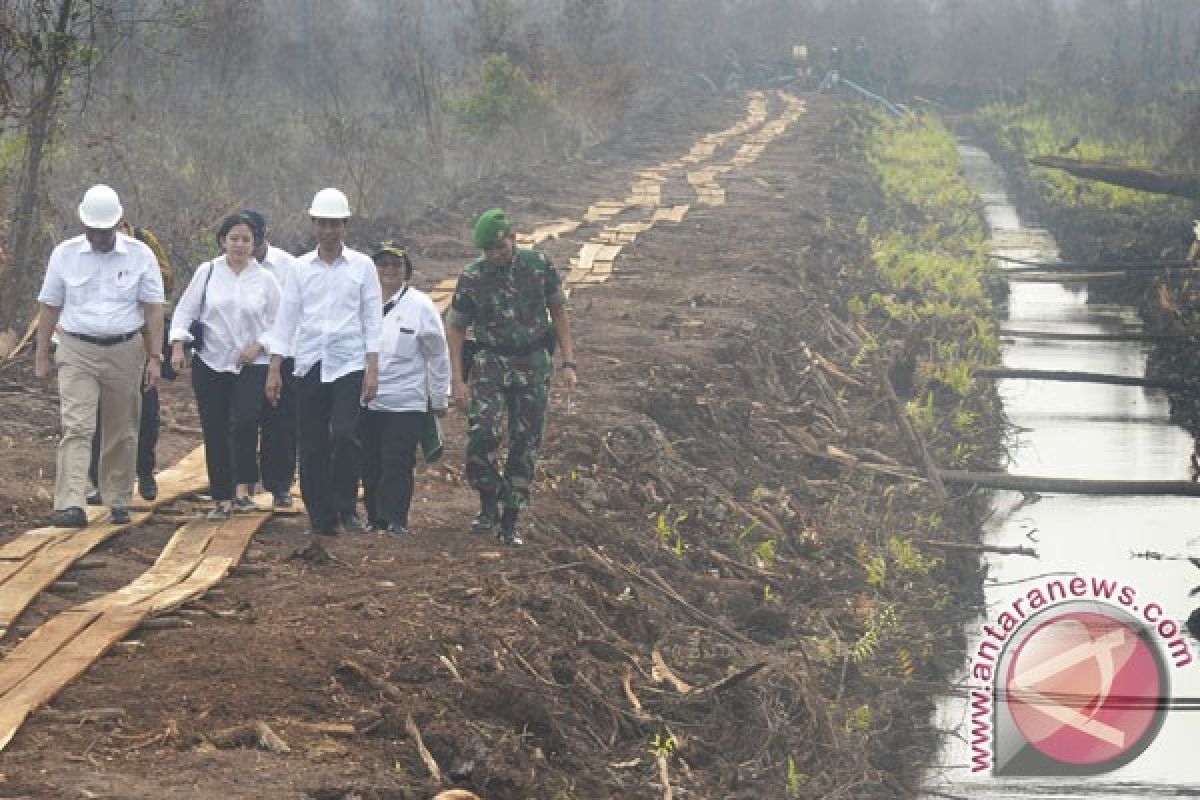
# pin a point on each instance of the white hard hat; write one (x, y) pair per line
(330, 204)
(101, 208)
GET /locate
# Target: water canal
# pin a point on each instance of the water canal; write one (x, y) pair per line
(1089, 431)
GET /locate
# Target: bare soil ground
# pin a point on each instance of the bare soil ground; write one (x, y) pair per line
(688, 512)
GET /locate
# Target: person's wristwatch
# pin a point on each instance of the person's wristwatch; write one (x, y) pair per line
(158, 356)
(569, 365)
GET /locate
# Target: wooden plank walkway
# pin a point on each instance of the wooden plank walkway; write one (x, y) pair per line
(37, 558)
(200, 553)
(596, 264)
(198, 556)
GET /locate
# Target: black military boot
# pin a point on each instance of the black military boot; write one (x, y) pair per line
(508, 529)
(489, 512)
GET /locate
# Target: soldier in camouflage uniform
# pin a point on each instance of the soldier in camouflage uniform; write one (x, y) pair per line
(513, 301)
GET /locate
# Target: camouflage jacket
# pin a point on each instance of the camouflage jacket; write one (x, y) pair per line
(507, 308)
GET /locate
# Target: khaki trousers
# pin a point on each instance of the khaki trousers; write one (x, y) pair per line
(111, 377)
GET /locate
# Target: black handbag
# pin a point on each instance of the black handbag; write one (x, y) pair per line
(196, 329)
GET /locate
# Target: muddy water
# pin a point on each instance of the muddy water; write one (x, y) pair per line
(1079, 430)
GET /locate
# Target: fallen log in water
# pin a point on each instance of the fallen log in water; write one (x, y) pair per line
(1030, 265)
(1035, 483)
(1053, 336)
(1147, 180)
(1083, 377)
(1064, 277)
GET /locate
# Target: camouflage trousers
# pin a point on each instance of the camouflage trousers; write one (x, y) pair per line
(525, 408)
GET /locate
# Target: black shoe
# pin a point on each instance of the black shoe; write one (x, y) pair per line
(395, 530)
(243, 503)
(94, 498)
(148, 486)
(118, 515)
(72, 517)
(352, 524)
(488, 513)
(508, 530)
(283, 499)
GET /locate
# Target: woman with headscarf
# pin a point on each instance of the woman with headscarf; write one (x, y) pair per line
(235, 301)
(414, 380)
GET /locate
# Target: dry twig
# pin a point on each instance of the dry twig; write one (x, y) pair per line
(427, 758)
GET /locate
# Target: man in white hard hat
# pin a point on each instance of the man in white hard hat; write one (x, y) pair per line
(332, 318)
(103, 294)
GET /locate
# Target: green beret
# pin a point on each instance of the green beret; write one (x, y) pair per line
(492, 226)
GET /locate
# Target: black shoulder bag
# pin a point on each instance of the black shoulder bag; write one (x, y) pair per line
(196, 329)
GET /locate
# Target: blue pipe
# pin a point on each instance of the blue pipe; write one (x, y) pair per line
(888, 104)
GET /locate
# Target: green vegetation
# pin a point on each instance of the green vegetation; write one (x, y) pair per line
(506, 96)
(1089, 125)
(935, 272)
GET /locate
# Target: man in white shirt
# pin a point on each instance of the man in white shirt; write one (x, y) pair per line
(332, 314)
(103, 294)
(277, 448)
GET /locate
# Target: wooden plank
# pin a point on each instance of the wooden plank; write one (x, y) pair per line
(189, 541)
(208, 573)
(24, 544)
(604, 209)
(186, 476)
(70, 662)
(672, 214)
(587, 254)
(37, 558)
(608, 252)
(41, 645)
(17, 593)
(234, 536)
(62, 649)
(28, 543)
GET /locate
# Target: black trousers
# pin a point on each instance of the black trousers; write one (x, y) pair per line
(230, 410)
(327, 439)
(389, 441)
(148, 427)
(277, 448)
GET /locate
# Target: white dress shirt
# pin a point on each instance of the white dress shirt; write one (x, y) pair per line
(332, 313)
(414, 360)
(100, 293)
(237, 309)
(280, 264)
